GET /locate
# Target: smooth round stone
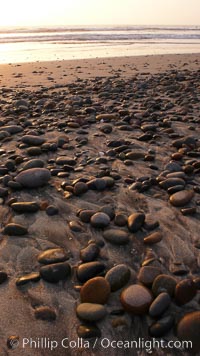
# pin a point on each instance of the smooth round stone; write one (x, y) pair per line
(12, 343)
(185, 291)
(147, 274)
(189, 211)
(65, 160)
(53, 255)
(134, 155)
(88, 331)
(85, 215)
(56, 272)
(173, 167)
(89, 270)
(188, 140)
(107, 128)
(31, 277)
(120, 219)
(32, 140)
(135, 221)
(162, 326)
(52, 210)
(34, 151)
(181, 198)
(45, 313)
(175, 189)
(96, 290)
(97, 184)
(12, 129)
(3, 277)
(15, 230)
(91, 311)
(188, 329)
(33, 163)
(34, 177)
(100, 220)
(118, 276)
(116, 236)
(164, 283)
(171, 182)
(136, 299)
(25, 207)
(89, 253)
(80, 188)
(159, 305)
(153, 238)
(109, 181)
(75, 226)
(109, 210)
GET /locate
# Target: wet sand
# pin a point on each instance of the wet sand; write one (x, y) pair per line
(99, 192)
(35, 75)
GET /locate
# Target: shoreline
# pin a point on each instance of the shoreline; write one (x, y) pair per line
(33, 75)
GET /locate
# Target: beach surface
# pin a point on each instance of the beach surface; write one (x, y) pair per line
(38, 74)
(100, 206)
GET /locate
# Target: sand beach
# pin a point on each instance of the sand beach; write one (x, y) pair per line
(100, 206)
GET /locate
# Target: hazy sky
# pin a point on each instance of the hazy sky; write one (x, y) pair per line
(90, 12)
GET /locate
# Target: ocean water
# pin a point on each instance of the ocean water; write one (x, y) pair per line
(32, 44)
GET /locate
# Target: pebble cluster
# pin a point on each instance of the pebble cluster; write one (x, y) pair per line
(99, 193)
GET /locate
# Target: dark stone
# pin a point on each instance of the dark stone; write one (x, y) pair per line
(118, 276)
(15, 230)
(188, 329)
(53, 273)
(116, 236)
(33, 177)
(85, 215)
(52, 210)
(136, 299)
(45, 313)
(31, 277)
(159, 305)
(95, 290)
(164, 283)
(34, 151)
(25, 207)
(89, 253)
(120, 219)
(3, 277)
(97, 184)
(12, 129)
(171, 182)
(91, 311)
(147, 274)
(32, 140)
(65, 160)
(185, 291)
(80, 188)
(153, 238)
(100, 220)
(89, 270)
(181, 198)
(88, 331)
(136, 221)
(53, 255)
(12, 342)
(33, 163)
